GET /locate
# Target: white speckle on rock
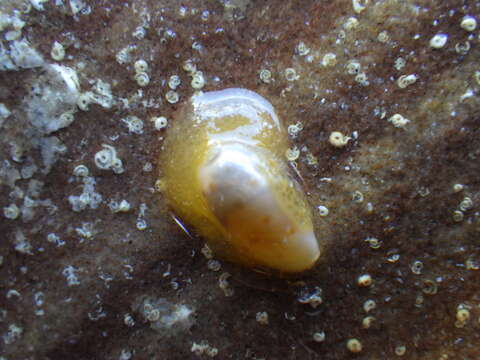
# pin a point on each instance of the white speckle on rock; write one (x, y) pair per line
(52, 100)
(70, 274)
(88, 198)
(438, 41)
(24, 55)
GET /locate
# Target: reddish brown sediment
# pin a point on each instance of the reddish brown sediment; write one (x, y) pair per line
(78, 284)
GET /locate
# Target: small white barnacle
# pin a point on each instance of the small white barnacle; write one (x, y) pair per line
(364, 280)
(205, 15)
(429, 287)
(400, 350)
(353, 67)
(189, 66)
(399, 63)
(174, 81)
(319, 336)
(463, 314)
(128, 320)
(67, 118)
(302, 49)
(359, 5)
(265, 75)
(337, 139)
(357, 197)
(160, 122)
(214, 265)
(323, 210)
(117, 166)
(294, 129)
(369, 305)
(172, 97)
(105, 158)
(406, 80)
(58, 51)
(84, 100)
(123, 56)
(362, 79)
(374, 243)
(262, 317)
(457, 187)
(468, 23)
(462, 48)
(291, 74)
(292, 154)
(466, 204)
(79, 6)
(124, 206)
(329, 59)
(141, 224)
(147, 167)
(313, 298)
(438, 41)
(398, 121)
(354, 345)
(80, 171)
(55, 239)
(197, 46)
(115, 207)
(367, 322)
(11, 211)
(383, 37)
(134, 124)
(139, 33)
(140, 66)
(393, 257)
(351, 23)
(417, 267)
(225, 285)
(150, 312)
(142, 79)
(198, 80)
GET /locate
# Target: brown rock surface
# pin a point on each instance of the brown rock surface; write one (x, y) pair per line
(90, 284)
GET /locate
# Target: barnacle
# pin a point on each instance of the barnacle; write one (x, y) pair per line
(11, 211)
(174, 82)
(354, 345)
(438, 41)
(142, 79)
(224, 174)
(468, 23)
(141, 66)
(160, 122)
(81, 171)
(58, 51)
(364, 280)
